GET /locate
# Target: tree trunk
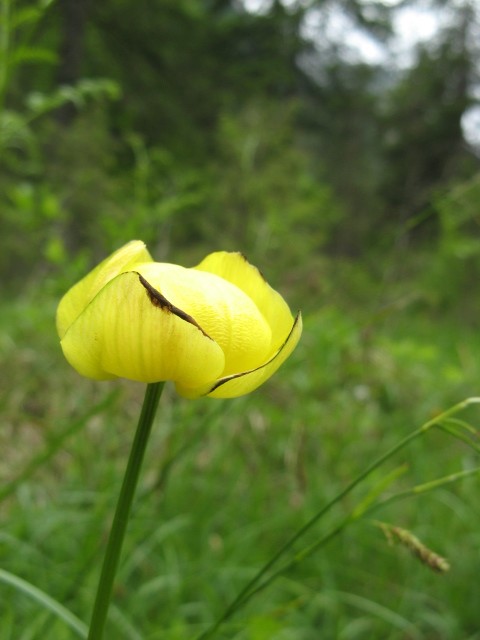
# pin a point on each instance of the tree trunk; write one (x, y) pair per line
(73, 23)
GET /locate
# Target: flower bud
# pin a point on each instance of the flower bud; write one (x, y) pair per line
(217, 329)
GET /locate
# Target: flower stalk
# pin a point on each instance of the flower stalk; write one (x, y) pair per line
(122, 512)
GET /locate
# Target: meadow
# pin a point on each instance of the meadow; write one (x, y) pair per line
(227, 482)
(204, 126)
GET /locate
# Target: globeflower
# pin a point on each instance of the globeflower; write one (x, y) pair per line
(217, 329)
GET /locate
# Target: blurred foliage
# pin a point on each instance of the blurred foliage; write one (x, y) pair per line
(450, 279)
(198, 125)
(265, 191)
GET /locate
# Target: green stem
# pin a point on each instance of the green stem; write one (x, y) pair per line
(422, 488)
(124, 503)
(259, 581)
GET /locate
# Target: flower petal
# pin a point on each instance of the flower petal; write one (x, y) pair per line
(78, 297)
(226, 313)
(131, 330)
(235, 268)
(243, 383)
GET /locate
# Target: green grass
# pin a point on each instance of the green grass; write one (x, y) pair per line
(226, 483)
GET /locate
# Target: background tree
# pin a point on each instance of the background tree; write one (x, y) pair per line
(424, 144)
(195, 83)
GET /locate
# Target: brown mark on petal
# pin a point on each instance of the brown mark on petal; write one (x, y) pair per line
(242, 255)
(233, 376)
(161, 302)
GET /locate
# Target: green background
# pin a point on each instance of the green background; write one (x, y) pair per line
(198, 126)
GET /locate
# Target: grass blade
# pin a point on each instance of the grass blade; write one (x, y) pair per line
(46, 601)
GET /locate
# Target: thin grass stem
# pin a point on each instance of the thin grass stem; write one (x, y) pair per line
(46, 601)
(423, 488)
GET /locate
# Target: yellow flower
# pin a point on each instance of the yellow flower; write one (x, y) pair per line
(217, 329)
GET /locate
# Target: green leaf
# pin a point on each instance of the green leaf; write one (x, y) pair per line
(29, 54)
(25, 16)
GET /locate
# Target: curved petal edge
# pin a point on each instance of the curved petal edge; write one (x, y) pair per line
(240, 384)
